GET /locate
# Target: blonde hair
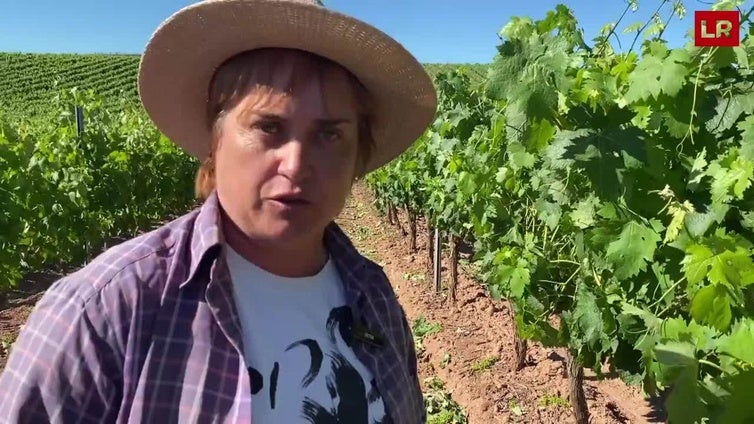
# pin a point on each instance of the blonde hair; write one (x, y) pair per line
(262, 70)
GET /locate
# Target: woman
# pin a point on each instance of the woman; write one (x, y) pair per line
(256, 306)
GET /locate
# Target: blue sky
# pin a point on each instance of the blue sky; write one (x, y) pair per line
(434, 30)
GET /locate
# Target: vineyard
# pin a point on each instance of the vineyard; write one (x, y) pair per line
(29, 82)
(65, 192)
(607, 196)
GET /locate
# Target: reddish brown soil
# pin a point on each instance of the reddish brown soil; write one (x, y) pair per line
(475, 328)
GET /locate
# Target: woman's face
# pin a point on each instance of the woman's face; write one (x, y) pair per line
(285, 161)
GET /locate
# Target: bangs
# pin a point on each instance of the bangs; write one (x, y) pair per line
(267, 72)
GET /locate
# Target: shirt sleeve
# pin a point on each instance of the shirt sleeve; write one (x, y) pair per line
(61, 367)
(413, 365)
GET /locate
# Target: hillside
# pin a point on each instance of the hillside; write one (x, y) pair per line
(28, 81)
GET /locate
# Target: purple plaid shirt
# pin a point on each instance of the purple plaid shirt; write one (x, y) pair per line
(149, 333)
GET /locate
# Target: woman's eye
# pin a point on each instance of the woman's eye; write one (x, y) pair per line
(268, 127)
(330, 135)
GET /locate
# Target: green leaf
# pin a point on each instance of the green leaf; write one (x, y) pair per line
(591, 322)
(730, 264)
(644, 81)
(747, 220)
(655, 75)
(738, 407)
(738, 344)
(519, 157)
(518, 281)
(697, 262)
(583, 215)
(697, 223)
(700, 336)
(683, 402)
(728, 110)
(747, 138)
(711, 305)
(540, 134)
(635, 27)
(736, 178)
(548, 212)
(676, 354)
(674, 72)
(732, 268)
(633, 249)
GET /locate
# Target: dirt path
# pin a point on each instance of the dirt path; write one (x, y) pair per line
(479, 328)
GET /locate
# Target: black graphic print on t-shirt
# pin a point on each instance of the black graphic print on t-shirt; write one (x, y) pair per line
(349, 398)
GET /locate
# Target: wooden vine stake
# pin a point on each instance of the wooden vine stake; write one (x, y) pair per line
(521, 347)
(437, 262)
(576, 385)
(390, 213)
(453, 266)
(412, 229)
(398, 222)
(430, 254)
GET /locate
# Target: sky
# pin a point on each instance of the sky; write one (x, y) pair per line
(435, 31)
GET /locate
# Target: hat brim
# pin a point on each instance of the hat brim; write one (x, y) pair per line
(186, 49)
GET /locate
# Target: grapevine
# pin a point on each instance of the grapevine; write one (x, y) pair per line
(609, 198)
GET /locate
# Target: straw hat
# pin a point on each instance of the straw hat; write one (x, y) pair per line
(181, 58)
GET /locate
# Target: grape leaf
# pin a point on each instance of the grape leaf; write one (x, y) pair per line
(518, 281)
(738, 344)
(683, 403)
(728, 111)
(583, 215)
(515, 277)
(738, 407)
(731, 266)
(540, 135)
(747, 220)
(678, 212)
(590, 323)
(654, 75)
(548, 212)
(697, 262)
(711, 305)
(747, 138)
(644, 81)
(676, 354)
(697, 223)
(633, 249)
(519, 157)
(701, 336)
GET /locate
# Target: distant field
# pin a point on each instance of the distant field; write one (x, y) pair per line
(28, 81)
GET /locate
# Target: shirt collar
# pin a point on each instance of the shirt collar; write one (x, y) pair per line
(206, 238)
(206, 244)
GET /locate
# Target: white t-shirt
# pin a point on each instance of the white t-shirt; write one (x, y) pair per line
(301, 369)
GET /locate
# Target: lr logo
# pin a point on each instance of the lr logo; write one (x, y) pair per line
(716, 28)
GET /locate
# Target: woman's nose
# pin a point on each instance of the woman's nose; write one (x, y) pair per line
(294, 161)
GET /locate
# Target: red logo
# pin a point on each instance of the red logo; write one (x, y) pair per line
(717, 28)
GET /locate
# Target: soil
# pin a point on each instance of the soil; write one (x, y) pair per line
(474, 328)
(478, 327)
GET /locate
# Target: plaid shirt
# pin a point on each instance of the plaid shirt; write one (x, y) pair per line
(149, 332)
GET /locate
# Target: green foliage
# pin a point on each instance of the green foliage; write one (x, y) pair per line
(613, 190)
(29, 81)
(440, 406)
(484, 364)
(64, 194)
